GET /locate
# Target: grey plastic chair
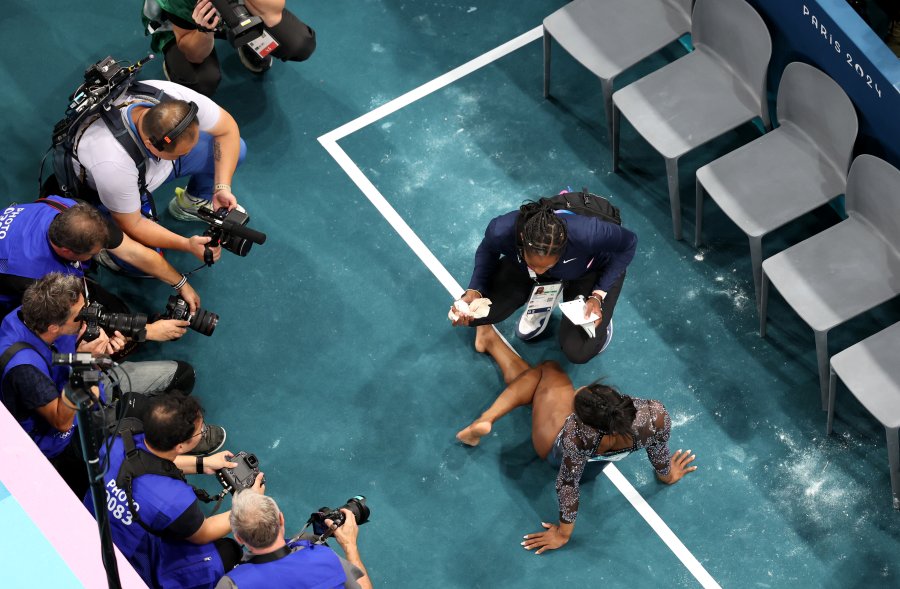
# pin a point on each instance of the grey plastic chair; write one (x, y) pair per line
(609, 36)
(872, 373)
(847, 269)
(784, 174)
(706, 93)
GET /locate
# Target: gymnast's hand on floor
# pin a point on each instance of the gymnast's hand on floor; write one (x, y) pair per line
(552, 539)
(678, 467)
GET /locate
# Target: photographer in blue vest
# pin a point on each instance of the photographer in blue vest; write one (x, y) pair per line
(31, 386)
(258, 524)
(154, 514)
(57, 234)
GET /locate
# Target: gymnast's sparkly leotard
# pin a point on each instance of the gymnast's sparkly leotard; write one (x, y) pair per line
(580, 442)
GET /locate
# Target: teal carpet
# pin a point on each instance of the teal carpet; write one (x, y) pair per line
(333, 360)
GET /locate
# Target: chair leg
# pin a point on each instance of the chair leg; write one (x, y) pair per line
(756, 264)
(894, 460)
(674, 195)
(698, 220)
(832, 392)
(606, 87)
(547, 39)
(616, 120)
(766, 119)
(822, 358)
(763, 303)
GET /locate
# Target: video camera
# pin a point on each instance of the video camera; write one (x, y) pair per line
(241, 28)
(242, 476)
(229, 230)
(133, 327)
(202, 321)
(356, 505)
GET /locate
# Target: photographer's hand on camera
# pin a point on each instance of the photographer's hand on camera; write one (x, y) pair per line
(197, 44)
(103, 345)
(218, 461)
(346, 534)
(164, 330)
(223, 197)
(198, 246)
(205, 15)
(259, 485)
(190, 297)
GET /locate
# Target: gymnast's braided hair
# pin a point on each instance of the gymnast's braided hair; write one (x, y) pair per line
(605, 409)
(540, 230)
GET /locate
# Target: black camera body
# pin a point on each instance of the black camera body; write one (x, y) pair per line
(229, 230)
(242, 28)
(356, 505)
(133, 327)
(242, 476)
(202, 321)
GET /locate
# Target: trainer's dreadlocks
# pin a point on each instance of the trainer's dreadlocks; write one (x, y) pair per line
(543, 232)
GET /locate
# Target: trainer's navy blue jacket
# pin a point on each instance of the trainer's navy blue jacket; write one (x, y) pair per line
(592, 243)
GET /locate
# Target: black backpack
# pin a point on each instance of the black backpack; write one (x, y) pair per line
(104, 82)
(584, 203)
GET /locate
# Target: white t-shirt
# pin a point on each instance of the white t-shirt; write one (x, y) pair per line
(111, 171)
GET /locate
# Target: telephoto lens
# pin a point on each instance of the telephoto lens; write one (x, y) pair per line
(202, 321)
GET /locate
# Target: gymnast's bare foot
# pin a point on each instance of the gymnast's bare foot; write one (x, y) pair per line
(484, 336)
(471, 435)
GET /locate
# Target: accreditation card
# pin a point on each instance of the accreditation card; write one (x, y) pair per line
(543, 298)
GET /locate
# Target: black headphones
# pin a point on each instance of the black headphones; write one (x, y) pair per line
(161, 143)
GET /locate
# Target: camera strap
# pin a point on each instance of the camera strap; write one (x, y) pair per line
(269, 557)
(12, 351)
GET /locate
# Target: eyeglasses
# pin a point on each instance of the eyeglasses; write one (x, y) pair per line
(203, 429)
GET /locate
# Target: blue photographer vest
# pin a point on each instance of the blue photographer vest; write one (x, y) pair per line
(161, 561)
(24, 245)
(313, 567)
(50, 440)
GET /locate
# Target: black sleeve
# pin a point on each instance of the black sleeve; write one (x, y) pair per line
(187, 524)
(180, 22)
(115, 235)
(25, 389)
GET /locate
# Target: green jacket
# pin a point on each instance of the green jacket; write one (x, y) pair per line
(155, 23)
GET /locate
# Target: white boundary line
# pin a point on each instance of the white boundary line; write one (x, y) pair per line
(329, 142)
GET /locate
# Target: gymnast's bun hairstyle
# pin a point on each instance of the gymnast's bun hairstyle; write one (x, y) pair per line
(605, 409)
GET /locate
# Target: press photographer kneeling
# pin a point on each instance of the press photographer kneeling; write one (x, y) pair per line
(50, 321)
(299, 563)
(154, 514)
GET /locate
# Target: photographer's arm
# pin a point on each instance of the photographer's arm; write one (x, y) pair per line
(268, 10)
(58, 414)
(213, 528)
(166, 330)
(226, 152)
(151, 262)
(35, 390)
(145, 231)
(195, 44)
(346, 536)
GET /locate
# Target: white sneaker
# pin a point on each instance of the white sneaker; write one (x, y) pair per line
(531, 325)
(184, 207)
(609, 334)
